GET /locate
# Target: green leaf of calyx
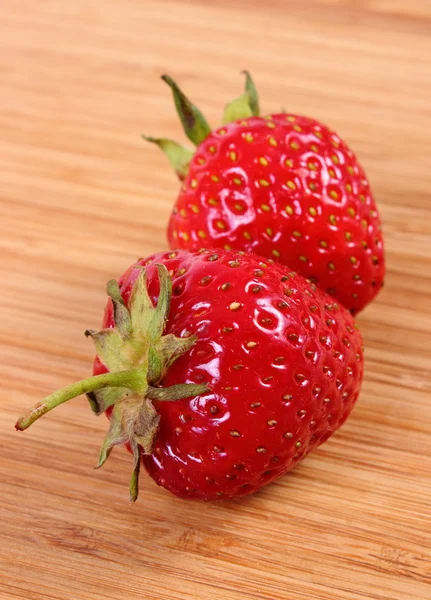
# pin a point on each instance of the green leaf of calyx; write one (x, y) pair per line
(179, 156)
(133, 420)
(161, 312)
(121, 313)
(134, 481)
(171, 347)
(238, 109)
(140, 306)
(114, 351)
(177, 392)
(251, 90)
(102, 399)
(194, 123)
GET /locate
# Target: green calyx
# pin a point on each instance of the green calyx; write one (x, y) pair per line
(138, 356)
(196, 126)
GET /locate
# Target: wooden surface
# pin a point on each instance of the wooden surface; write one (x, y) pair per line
(81, 197)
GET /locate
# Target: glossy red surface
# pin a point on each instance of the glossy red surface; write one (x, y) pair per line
(288, 188)
(284, 364)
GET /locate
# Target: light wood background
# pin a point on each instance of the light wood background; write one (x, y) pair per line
(82, 196)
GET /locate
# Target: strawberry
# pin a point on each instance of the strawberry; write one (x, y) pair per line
(258, 368)
(283, 186)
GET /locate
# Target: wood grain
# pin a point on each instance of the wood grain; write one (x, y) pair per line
(81, 197)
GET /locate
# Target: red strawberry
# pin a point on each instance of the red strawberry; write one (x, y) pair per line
(272, 367)
(283, 186)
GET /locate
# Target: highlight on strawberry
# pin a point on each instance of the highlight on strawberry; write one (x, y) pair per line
(220, 371)
(283, 186)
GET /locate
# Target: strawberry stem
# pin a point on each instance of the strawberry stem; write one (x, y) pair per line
(133, 379)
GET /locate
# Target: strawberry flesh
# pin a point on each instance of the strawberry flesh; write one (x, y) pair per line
(287, 188)
(283, 361)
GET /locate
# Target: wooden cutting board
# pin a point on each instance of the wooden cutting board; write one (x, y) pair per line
(82, 196)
